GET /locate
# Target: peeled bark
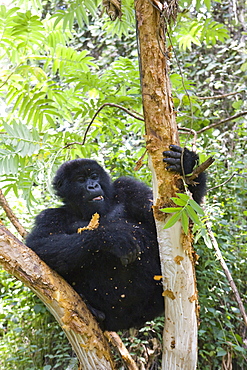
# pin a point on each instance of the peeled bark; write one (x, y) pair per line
(176, 251)
(62, 301)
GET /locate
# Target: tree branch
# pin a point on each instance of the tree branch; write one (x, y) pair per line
(219, 96)
(223, 183)
(62, 301)
(137, 116)
(118, 344)
(227, 272)
(221, 122)
(179, 282)
(14, 220)
(199, 169)
(190, 131)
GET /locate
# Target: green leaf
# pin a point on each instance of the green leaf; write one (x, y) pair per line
(183, 196)
(172, 220)
(192, 214)
(179, 202)
(171, 209)
(196, 207)
(185, 222)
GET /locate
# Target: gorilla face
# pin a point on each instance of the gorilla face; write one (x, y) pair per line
(84, 186)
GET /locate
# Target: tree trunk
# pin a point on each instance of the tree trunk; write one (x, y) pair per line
(176, 252)
(62, 301)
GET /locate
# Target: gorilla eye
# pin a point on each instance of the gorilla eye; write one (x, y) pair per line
(94, 176)
(80, 179)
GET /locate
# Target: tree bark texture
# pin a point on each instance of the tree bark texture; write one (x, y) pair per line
(176, 251)
(62, 301)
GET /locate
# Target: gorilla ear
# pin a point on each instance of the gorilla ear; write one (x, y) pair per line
(57, 183)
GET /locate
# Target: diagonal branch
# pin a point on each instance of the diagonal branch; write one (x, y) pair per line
(199, 169)
(221, 122)
(219, 96)
(137, 116)
(227, 272)
(133, 114)
(14, 220)
(62, 301)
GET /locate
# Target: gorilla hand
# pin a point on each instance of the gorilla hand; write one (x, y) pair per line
(174, 158)
(127, 250)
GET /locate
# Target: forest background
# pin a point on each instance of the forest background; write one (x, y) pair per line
(60, 62)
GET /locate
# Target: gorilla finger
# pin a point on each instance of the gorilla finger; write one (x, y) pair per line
(100, 316)
(138, 249)
(172, 161)
(169, 153)
(176, 148)
(134, 255)
(124, 260)
(175, 168)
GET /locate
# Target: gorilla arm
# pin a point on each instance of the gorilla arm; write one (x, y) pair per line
(52, 242)
(137, 198)
(64, 250)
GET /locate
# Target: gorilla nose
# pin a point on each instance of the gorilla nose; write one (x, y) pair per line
(93, 187)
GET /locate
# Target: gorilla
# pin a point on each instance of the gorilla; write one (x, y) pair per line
(112, 266)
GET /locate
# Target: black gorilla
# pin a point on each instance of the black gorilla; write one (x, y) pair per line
(112, 266)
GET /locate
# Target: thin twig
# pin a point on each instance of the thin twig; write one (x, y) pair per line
(199, 169)
(227, 272)
(190, 131)
(221, 122)
(135, 115)
(14, 220)
(73, 143)
(116, 341)
(10, 75)
(139, 163)
(223, 183)
(110, 105)
(219, 96)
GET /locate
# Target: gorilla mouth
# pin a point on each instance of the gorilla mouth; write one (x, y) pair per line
(98, 198)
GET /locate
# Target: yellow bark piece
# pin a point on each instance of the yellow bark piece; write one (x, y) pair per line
(93, 224)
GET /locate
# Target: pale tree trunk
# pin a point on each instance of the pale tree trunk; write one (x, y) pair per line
(176, 251)
(62, 301)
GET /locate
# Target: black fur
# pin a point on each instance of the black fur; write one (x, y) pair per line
(113, 266)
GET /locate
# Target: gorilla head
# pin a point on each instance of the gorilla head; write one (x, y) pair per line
(84, 186)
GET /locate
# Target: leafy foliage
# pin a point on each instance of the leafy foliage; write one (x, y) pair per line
(77, 9)
(23, 316)
(198, 32)
(187, 209)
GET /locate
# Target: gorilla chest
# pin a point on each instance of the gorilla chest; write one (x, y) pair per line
(106, 278)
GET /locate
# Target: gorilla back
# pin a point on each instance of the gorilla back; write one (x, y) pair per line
(112, 266)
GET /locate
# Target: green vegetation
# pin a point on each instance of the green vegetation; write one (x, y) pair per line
(60, 62)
